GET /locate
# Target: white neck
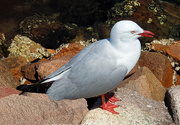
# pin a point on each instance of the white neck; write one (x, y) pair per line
(129, 50)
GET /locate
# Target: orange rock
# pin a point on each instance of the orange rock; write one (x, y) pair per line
(71, 50)
(15, 64)
(159, 48)
(159, 65)
(6, 77)
(52, 51)
(145, 82)
(178, 80)
(174, 52)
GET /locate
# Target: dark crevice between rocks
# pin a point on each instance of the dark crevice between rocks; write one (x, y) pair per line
(167, 101)
(91, 102)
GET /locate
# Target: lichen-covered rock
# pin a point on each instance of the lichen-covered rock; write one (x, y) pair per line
(25, 47)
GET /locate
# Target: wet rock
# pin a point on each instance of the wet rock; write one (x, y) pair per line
(133, 109)
(38, 109)
(6, 77)
(159, 65)
(6, 91)
(145, 83)
(15, 64)
(172, 101)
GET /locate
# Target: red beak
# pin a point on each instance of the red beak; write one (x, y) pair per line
(147, 33)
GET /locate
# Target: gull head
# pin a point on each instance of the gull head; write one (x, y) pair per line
(127, 30)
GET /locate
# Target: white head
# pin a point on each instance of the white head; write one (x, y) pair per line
(127, 30)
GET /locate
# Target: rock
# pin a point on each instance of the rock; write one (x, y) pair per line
(71, 50)
(172, 50)
(46, 68)
(38, 71)
(29, 71)
(6, 77)
(23, 46)
(172, 101)
(15, 64)
(6, 91)
(178, 80)
(161, 19)
(159, 65)
(145, 83)
(39, 110)
(133, 109)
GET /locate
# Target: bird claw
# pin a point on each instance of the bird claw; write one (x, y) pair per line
(110, 107)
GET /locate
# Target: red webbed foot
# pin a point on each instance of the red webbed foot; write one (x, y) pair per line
(109, 106)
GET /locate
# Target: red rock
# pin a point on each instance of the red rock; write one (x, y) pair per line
(6, 91)
(29, 71)
(172, 50)
(71, 50)
(37, 71)
(51, 51)
(15, 64)
(6, 77)
(39, 110)
(159, 48)
(159, 65)
(178, 80)
(46, 68)
(144, 82)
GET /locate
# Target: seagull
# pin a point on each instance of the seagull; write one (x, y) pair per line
(97, 69)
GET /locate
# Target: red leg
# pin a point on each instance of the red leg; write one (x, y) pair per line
(108, 106)
(111, 98)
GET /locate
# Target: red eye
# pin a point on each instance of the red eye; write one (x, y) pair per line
(132, 32)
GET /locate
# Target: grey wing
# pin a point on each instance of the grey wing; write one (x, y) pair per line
(56, 75)
(93, 75)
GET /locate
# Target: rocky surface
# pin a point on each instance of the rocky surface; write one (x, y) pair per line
(145, 83)
(142, 92)
(160, 65)
(6, 91)
(25, 47)
(133, 109)
(38, 109)
(6, 77)
(172, 101)
(15, 64)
